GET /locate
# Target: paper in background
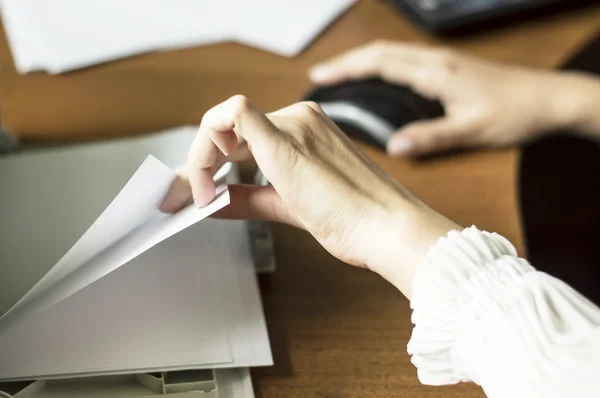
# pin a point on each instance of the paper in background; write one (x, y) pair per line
(63, 35)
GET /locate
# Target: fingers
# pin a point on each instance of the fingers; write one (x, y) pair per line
(180, 192)
(430, 136)
(354, 64)
(249, 202)
(379, 58)
(222, 130)
(425, 69)
(226, 134)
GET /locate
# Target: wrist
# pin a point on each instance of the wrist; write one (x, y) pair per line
(407, 232)
(575, 102)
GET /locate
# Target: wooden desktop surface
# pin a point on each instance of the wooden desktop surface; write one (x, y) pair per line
(336, 331)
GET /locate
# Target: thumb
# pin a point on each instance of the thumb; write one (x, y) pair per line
(426, 137)
(251, 202)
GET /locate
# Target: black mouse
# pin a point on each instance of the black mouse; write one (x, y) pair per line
(371, 110)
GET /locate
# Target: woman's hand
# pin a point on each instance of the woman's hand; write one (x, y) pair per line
(486, 104)
(320, 182)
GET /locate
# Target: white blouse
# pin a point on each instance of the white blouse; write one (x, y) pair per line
(483, 314)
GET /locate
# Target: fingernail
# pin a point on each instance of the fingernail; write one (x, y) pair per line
(203, 200)
(321, 73)
(400, 146)
(166, 206)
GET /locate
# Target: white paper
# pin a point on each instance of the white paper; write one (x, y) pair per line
(25, 55)
(130, 225)
(83, 33)
(158, 311)
(67, 188)
(237, 298)
(63, 35)
(191, 301)
(285, 27)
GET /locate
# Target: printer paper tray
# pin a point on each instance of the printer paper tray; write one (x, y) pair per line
(219, 383)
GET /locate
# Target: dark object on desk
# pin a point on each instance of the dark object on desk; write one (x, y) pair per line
(463, 16)
(371, 110)
(8, 142)
(560, 200)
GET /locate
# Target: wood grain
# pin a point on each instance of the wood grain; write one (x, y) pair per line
(336, 331)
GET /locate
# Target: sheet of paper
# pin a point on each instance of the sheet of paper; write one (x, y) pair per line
(285, 27)
(64, 35)
(192, 301)
(136, 318)
(130, 225)
(76, 34)
(25, 55)
(245, 321)
(159, 311)
(73, 185)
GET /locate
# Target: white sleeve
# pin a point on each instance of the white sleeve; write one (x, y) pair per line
(483, 314)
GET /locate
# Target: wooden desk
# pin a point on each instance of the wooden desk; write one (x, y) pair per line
(336, 331)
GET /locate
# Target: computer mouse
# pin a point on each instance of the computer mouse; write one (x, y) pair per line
(371, 110)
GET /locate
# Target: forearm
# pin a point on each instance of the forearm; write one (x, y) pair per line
(576, 105)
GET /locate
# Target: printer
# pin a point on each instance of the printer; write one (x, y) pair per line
(194, 293)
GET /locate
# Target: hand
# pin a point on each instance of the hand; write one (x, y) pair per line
(320, 182)
(486, 104)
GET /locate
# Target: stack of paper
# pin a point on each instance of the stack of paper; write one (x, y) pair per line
(62, 35)
(139, 290)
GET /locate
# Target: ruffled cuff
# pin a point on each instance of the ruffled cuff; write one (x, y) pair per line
(463, 278)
